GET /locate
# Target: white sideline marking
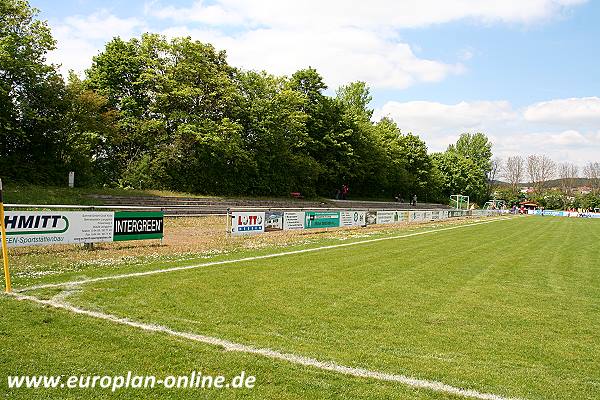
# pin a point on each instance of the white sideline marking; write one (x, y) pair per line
(273, 354)
(285, 253)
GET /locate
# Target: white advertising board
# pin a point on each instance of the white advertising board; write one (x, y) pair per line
(31, 228)
(353, 218)
(293, 220)
(247, 223)
(416, 216)
(391, 217)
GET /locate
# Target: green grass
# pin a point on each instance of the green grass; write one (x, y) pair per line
(62, 195)
(54, 264)
(34, 194)
(511, 307)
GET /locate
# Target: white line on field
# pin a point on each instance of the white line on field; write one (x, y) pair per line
(285, 253)
(273, 354)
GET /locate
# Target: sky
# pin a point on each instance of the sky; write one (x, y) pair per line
(524, 72)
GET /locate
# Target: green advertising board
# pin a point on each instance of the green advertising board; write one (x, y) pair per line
(321, 219)
(138, 225)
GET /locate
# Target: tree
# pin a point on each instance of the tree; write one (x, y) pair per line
(178, 106)
(592, 172)
(276, 136)
(540, 169)
(418, 166)
(568, 173)
(475, 147)
(32, 98)
(116, 74)
(496, 166)
(514, 169)
(332, 139)
(472, 158)
(355, 98)
(460, 175)
(92, 132)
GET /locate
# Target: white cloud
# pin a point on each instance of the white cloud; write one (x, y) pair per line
(79, 38)
(341, 55)
(428, 116)
(198, 12)
(345, 40)
(568, 138)
(510, 130)
(566, 111)
(102, 25)
(375, 14)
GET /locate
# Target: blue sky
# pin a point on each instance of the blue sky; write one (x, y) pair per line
(524, 72)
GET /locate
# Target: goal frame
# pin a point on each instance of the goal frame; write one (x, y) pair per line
(459, 200)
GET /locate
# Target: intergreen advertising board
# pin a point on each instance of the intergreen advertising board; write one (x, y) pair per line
(138, 225)
(321, 219)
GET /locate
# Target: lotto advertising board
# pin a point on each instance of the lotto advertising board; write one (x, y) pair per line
(247, 223)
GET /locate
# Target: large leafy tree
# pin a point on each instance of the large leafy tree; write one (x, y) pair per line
(477, 148)
(123, 74)
(92, 131)
(328, 134)
(464, 168)
(459, 175)
(365, 156)
(178, 108)
(32, 98)
(275, 133)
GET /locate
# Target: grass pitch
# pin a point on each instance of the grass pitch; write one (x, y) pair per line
(511, 308)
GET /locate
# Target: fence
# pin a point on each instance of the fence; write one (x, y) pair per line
(555, 213)
(95, 224)
(249, 222)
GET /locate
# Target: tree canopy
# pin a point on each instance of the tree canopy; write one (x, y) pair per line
(157, 113)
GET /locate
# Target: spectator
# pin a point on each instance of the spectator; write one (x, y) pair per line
(345, 191)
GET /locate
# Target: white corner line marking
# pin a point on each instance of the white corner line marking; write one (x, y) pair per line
(239, 260)
(273, 354)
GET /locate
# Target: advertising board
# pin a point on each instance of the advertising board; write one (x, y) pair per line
(353, 218)
(321, 219)
(391, 217)
(273, 221)
(39, 228)
(137, 225)
(293, 220)
(247, 222)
